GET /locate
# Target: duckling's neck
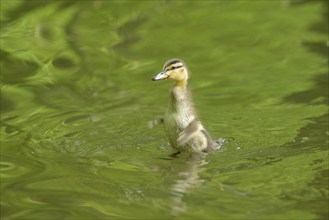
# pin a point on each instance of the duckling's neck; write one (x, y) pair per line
(181, 84)
(180, 99)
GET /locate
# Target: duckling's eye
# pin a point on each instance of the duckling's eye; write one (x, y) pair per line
(174, 67)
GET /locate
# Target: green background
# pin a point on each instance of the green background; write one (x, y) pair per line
(76, 96)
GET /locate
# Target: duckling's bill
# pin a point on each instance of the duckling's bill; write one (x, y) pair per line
(160, 76)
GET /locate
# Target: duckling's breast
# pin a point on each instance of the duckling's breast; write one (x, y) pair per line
(179, 115)
(175, 124)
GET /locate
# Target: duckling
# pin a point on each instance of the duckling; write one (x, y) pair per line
(184, 130)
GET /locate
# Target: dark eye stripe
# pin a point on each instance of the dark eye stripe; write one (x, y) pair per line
(175, 67)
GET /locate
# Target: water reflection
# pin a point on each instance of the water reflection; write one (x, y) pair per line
(186, 171)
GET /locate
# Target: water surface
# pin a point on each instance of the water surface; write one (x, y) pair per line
(76, 97)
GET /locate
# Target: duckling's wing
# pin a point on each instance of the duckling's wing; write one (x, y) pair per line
(155, 122)
(189, 132)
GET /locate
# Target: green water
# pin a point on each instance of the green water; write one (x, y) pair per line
(76, 96)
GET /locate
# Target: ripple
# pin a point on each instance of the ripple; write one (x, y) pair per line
(5, 166)
(17, 169)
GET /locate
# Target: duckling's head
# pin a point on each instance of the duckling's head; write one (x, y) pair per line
(174, 69)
